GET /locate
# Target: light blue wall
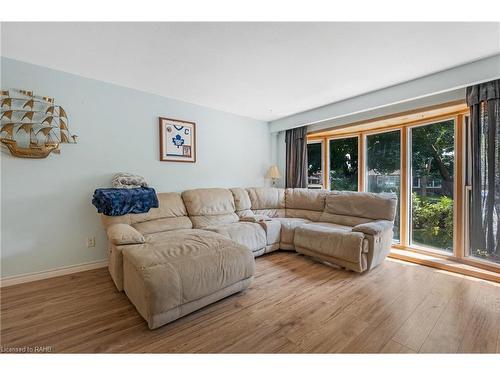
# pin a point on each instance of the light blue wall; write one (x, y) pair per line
(46, 204)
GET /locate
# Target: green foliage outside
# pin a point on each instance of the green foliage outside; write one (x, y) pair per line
(433, 156)
(432, 219)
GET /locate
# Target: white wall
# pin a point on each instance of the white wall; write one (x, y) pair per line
(46, 204)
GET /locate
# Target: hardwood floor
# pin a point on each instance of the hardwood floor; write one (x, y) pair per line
(294, 305)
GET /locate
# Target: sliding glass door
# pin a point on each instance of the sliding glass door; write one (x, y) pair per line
(432, 162)
(344, 163)
(383, 168)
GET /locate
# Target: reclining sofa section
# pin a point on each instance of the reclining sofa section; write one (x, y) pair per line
(199, 246)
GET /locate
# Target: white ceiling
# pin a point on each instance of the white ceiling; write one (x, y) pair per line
(260, 70)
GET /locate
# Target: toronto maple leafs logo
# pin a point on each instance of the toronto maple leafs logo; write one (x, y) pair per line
(178, 141)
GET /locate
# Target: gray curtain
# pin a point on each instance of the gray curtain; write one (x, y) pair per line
(484, 103)
(296, 158)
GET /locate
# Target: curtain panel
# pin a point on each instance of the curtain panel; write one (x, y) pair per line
(296, 158)
(484, 104)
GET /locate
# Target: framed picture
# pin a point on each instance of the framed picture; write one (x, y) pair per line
(177, 140)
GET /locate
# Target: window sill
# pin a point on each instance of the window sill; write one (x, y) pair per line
(444, 264)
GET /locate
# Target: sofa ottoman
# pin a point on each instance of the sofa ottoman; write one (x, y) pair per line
(177, 272)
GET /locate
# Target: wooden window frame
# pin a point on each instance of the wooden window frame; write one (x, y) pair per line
(456, 111)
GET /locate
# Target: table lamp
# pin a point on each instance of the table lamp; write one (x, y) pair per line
(273, 173)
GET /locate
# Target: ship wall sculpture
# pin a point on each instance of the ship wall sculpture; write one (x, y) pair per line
(32, 126)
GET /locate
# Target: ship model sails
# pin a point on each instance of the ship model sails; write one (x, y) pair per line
(32, 126)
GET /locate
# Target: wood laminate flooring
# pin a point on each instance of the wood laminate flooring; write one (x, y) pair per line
(294, 305)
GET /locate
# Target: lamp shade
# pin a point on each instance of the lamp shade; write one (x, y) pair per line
(273, 172)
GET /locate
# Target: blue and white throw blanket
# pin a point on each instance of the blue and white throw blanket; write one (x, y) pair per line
(117, 202)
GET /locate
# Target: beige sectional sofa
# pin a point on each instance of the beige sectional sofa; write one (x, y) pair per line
(199, 246)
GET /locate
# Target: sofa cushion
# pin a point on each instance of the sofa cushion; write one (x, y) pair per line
(343, 219)
(210, 207)
(214, 201)
(303, 214)
(251, 235)
(267, 201)
(305, 203)
(305, 199)
(171, 214)
(332, 241)
(175, 268)
(170, 206)
(124, 234)
(242, 202)
(333, 225)
(288, 226)
(202, 222)
(273, 231)
(364, 205)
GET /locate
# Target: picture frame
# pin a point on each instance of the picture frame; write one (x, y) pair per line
(177, 140)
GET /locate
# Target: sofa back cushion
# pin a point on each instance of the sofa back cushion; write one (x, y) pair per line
(353, 208)
(242, 202)
(305, 203)
(210, 207)
(171, 214)
(267, 201)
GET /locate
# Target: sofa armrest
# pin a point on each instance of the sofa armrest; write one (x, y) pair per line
(255, 218)
(374, 228)
(124, 234)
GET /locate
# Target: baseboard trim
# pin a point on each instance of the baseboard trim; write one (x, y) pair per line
(59, 271)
